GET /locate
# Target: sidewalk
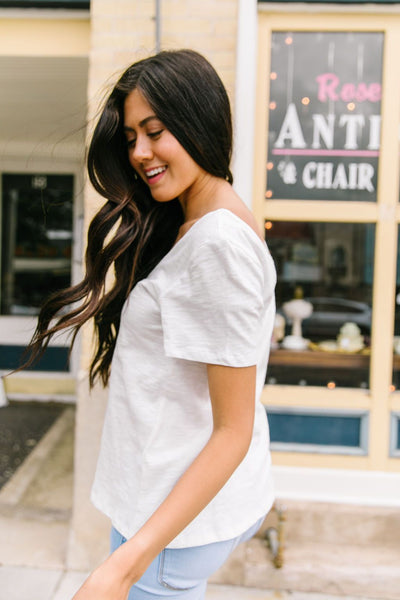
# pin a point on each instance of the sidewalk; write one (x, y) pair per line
(35, 510)
(18, 583)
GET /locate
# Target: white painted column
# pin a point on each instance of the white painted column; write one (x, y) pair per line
(245, 97)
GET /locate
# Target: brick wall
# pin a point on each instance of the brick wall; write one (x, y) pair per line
(124, 30)
(208, 26)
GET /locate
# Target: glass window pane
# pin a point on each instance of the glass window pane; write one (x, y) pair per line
(36, 240)
(324, 115)
(398, 435)
(324, 303)
(320, 430)
(396, 338)
(395, 434)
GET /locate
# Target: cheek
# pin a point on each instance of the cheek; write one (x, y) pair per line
(170, 151)
(183, 161)
(190, 168)
(134, 163)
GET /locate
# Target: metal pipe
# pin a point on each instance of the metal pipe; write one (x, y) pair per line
(275, 536)
(157, 20)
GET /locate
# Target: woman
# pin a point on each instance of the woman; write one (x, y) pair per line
(184, 466)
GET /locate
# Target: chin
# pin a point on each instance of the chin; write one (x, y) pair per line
(162, 199)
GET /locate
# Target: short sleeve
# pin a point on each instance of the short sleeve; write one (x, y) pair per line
(212, 313)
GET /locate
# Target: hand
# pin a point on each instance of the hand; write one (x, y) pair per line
(105, 583)
(113, 579)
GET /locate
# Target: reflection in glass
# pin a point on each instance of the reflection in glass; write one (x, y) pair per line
(324, 303)
(36, 240)
(396, 338)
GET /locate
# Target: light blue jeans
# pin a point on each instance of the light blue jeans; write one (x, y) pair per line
(181, 574)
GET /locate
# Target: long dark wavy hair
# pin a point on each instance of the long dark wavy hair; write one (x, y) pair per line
(189, 98)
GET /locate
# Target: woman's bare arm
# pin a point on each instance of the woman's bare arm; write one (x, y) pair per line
(232, 392)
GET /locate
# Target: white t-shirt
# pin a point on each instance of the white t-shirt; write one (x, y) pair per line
(209, 300)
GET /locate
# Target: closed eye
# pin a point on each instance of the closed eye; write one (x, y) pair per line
(155, 134)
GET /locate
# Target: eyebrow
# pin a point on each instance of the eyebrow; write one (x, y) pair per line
(142, 123)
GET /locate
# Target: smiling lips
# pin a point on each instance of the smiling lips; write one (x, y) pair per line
(154, 175)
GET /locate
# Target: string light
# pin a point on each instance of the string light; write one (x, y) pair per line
(392, 388)
(305, 101)
(270, 166)
(268, 225)
(273, 75)
(331, 385)
(268, 194)
(289, 40)
(351, 106)
(272, 105)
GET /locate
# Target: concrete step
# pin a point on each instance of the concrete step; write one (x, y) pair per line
(331, 549)
(342, 524)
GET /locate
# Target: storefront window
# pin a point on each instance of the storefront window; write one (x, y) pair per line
(36, 239)
(324, 115)
(324, 303)
(396, 338)
(395, 434)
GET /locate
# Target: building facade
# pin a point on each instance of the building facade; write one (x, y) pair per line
(316, 96)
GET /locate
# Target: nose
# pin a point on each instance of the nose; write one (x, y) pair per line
(142, 150)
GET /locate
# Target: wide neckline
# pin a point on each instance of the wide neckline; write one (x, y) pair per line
(180, 243)
(213, 212)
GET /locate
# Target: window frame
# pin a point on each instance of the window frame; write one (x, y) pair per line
(379, 400)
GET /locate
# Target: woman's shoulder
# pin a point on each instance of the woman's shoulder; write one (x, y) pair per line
(217, 236)
(221, 242)
(224, 226)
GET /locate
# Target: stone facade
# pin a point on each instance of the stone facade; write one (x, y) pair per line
(123, 31)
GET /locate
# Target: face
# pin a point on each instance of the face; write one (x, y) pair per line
(156, 155)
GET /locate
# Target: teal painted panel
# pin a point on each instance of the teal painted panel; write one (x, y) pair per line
(69, 4)
(398, 435)
(317, 430)
(55, 358)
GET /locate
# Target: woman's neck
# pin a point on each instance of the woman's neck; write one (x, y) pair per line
(204, 198)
